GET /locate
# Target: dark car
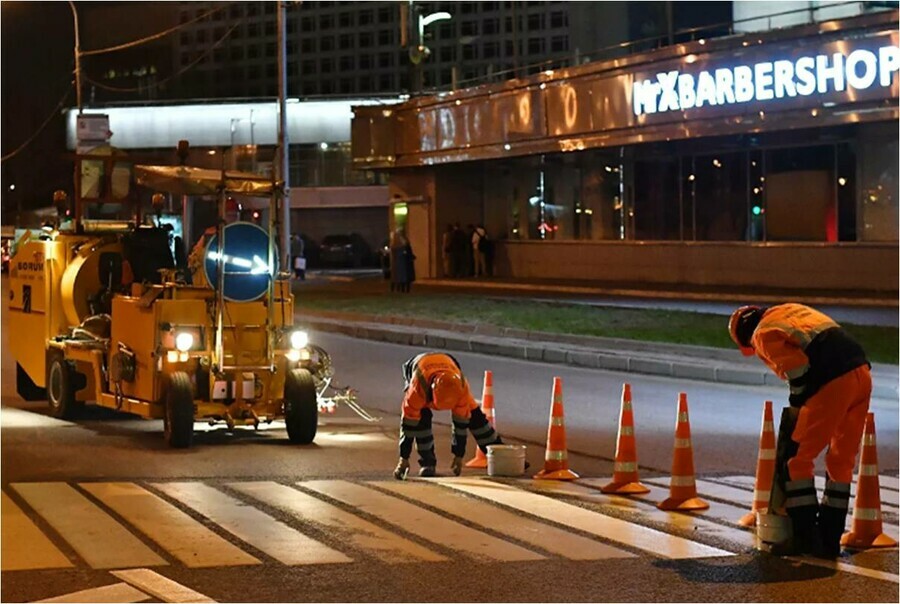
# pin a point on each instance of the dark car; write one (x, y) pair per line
(344, 250)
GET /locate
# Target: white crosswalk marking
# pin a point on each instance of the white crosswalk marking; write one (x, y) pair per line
(24, 546)
(549, 538)
(427, 525)
(606, 527)
(176, 532)
(889, 497)
(101, 541)
(163, 588)
(251, 525)
(890, 482)
(343, 525)
(108, 594)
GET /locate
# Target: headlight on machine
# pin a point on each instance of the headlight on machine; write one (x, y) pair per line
(184, 341)
(299, 339)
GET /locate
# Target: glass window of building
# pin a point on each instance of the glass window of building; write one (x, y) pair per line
(365, 17)
(447, 54)
(327, 87)
(536, 45)
(386, 82)
(291, 27)
(490, 26)
(252, 9)
(307, 24)
(345, 86)
(720, 197)
(365, 61)
(536, 22)
(270, 8)
(218, 34)
(366, 39)
(237, 53)
(559, 43)
(491, 50)
(877, 212)
(308, 67)
(800, 182)
(270, 28)
(468, 7)
(385, 59)
(185, 39)
(654, 213)
(365, 83)
(253, 51)
(326, 22)
(469, 51)
(469, 28)
(508, 24)
(508, 48)
(446, 31)
(308, 89)
(326, 43)
(386, 37)
(488, 7)
(271, 70)
(307, 45)
(252, 30)
(559, 19)
(386, 14)
(326, 65)
(270, 49)
(345, 19)
(345, 41)
(201, 36)
(346, 63)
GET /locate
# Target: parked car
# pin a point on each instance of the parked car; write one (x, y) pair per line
(344, 250)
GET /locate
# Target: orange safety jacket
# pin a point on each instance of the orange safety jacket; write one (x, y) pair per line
(805, 347)
(419, 373)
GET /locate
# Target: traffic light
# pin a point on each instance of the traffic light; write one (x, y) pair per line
(757, 210)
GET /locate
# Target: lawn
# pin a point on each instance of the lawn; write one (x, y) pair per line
(678, 327)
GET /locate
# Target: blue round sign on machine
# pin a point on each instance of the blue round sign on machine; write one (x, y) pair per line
(245, 262)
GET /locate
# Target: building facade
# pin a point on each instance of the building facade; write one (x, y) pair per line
(764, 159)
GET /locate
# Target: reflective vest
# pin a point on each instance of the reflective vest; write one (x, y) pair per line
(419, 373)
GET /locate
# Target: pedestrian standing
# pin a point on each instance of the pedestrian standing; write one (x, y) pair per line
(298, 259)
(460, 245)
(402, 262)
(447, 251)
(830, 383)
(479, 247)
(434, 381)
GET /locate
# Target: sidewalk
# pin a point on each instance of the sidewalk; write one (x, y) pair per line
(669, 360)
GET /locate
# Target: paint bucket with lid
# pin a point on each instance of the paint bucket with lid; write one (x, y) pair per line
(506, 460)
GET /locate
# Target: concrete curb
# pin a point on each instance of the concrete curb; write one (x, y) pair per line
(640, 360)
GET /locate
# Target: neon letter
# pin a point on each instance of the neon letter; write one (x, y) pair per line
(867, 58)
(784, 79)
(763, 73)
(706, 89)
(668, 98)
(743, 84)
(825, 73)
(806, 77)
(889, 57)
(724, 86)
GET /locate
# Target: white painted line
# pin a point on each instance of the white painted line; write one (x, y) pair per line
(99, 539)
(890, 482)
(249, 524)
(161, 587)
(547, 537)
(118, 592)
(644, 510)
(344, 526)
(422, 523)
(847, 568)
(729, 512)
(176, 532)
(613, 529)
(889, 495)
(24, 546)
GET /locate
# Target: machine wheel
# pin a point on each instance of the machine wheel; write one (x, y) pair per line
(301, 406)
(26, 387)
(61, 386)
(178, 424)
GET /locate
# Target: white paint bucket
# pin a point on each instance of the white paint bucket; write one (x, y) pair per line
(773, 529)
(505, 460)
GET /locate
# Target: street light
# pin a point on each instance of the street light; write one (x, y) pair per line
(77, 56)
(419, 52)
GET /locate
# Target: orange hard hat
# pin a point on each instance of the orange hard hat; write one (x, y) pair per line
(448, 389)
(737, 328)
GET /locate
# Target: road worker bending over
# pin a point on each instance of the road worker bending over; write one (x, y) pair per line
(830, 383)
(434, 381)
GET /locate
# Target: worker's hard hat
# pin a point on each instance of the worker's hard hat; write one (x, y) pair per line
(448, 389)
(738, 326)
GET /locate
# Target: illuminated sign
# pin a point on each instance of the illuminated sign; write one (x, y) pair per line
(861, 69)
(244, 262)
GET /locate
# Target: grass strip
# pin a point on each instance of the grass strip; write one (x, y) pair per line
(652, 325)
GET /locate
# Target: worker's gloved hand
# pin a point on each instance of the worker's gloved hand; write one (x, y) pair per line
(402, 469)
(456, 466)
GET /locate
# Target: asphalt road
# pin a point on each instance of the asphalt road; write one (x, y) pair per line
(104, 447)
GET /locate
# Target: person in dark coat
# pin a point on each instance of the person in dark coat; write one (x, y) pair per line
(459, 244)
(403, 271)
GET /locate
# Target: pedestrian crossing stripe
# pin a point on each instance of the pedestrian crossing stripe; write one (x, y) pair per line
(128, 525)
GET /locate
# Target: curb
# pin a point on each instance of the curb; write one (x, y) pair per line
(434, 334)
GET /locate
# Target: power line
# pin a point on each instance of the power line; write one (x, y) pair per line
(42, 126)
(171, 77)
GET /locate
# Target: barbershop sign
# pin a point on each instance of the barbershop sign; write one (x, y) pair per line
(835, 70)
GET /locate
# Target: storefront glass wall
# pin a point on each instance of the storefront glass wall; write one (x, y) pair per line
(750, 189)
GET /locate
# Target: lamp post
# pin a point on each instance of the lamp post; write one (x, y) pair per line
(77, 56)
(419, 52)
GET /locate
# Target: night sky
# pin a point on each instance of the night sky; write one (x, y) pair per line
(36, 42)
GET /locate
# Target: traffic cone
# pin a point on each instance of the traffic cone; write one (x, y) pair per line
(625, 479)
(487, 406)
(556, 459)
(683, 489)
(867, 530)
(765, 468)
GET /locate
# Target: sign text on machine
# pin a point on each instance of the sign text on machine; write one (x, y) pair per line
(766, 80)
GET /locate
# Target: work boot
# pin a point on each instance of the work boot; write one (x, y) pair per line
(831, 529)
(427, 472)
(402, 469)
(806, 538)
(456, 465)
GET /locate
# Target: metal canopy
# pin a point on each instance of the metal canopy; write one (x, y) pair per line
(187, 180)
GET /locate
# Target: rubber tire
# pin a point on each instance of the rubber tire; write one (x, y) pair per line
(61, 386)
(26, 388)
(178, 424)
(301, 406)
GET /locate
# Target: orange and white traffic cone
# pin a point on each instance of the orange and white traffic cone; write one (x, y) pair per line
(556, 459)
(683, 488)
(487, 407)
(867, 528)
(625, 479)
(765, 468)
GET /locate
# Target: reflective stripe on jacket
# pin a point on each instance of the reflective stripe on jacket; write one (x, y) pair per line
(419, 373)
(805, 347)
